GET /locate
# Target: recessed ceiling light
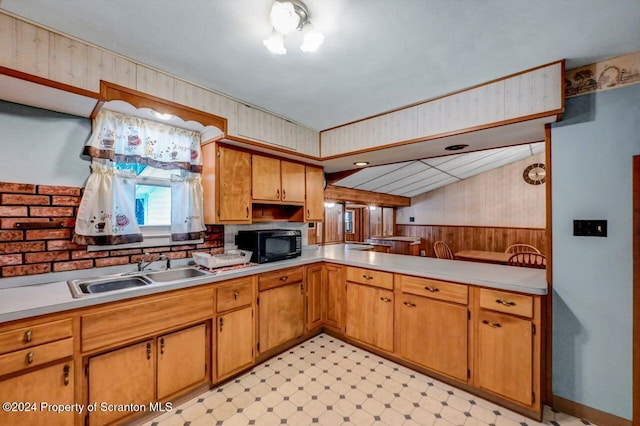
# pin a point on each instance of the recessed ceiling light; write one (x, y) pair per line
(456, 147)
(361, 163)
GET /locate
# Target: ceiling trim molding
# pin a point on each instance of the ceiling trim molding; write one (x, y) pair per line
(49, 83)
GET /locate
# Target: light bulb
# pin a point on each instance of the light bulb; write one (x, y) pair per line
(312, 39)
(275, 43)
(284, 18)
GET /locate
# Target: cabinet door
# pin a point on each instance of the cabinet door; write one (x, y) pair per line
(234, 187)
(314, 206)
(370, 315)
(265, 178)
(181, 360)
(434, 334)
(335, 296)
(505, 356)
(315, 291)
(53, 385)
(124, 376)
(235, 340)
(293, 183)
(281, 315)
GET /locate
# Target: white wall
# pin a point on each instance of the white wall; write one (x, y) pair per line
(592, 153)
(499, 197)
(42, 147)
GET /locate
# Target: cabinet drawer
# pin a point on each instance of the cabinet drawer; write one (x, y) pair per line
(435, 289)
(234, 294)
(114, 325)
(37, 355)
(510, 303)
(274, 279)
(370, 277)
(35, 335)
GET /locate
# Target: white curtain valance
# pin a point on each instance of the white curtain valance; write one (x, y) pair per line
(126, 139)
(187, 221)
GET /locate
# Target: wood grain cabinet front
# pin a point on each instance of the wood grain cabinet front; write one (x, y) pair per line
(335, 297)
(315, 289)
(370, 277)
(277, 180)
(235, 341)
(314, 200)
(370, 315)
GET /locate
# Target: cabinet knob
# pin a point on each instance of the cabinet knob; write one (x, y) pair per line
(30, 358)
(162, 346)
(367, 277)
(409, 305)
(149, 350)
(284, 278)
(385, 299)
(505, 302)
(27, 336)
(235, 295)
(65, 373)
(221, 321)
(301, 288)
(492, 324)
(432, 289)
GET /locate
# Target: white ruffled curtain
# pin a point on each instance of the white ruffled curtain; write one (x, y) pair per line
(106, 215)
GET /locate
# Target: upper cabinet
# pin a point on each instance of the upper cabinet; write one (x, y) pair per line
(528, 95)
(275, 131)
(277, 180)
(314, 205)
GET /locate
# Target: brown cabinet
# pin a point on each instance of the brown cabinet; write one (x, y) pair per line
(226, 184)
(281, 307)
(314, 203)
(314, 296)
(432, 327)
(234, 326)
(370, 315)
(52, 385)
(277, 180)
(507, 346)
(124, 376)
(182, 359)
(335, 294)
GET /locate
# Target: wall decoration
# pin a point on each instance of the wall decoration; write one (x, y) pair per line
(605, 75)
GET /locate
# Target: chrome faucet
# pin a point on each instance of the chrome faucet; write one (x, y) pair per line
(142, 264)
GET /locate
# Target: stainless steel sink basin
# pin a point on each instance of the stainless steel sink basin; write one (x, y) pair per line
(122, 282)
(175, 274)
(106, 284)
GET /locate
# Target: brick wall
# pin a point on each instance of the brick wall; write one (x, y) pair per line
(38, 251)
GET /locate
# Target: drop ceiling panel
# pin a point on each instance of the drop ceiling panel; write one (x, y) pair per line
(368, 174)
(408, 170)
(430, 187)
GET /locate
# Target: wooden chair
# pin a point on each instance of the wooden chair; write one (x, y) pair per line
(442, 250)
(528, 260)
(521, 248)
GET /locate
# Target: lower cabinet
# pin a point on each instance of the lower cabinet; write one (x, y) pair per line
(137, 373)
(281, 315)
(235, 341)
(53, 385)
(314, 296)
(124, 376)
(433, 334)
(335, 294)
(370, 315)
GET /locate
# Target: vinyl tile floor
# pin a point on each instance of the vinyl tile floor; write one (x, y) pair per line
(326, 381)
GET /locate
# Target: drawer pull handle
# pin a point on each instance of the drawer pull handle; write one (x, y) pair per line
(278, 193)
(235, 295)
(505, 302)
(149, 350)
(302, 288)
(385, 299)
(409, 304)
(65, 372)
(432, 289)
(308, 214)
(247, 212)
(492, 324)
(30, 358)
(284, 278)
(27, 336)
(367, 277)
(162, 346)
(221, 323)
(284, 195)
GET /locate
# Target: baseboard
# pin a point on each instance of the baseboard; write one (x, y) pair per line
(593, 415)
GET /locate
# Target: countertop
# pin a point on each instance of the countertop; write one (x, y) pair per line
(49, 293)
(412, 240)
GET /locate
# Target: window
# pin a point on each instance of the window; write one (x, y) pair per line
(348, 222)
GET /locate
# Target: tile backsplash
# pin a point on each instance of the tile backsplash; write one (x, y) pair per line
(40, 251)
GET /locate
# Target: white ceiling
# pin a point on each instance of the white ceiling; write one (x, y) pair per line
(378, 54)
(412, 178)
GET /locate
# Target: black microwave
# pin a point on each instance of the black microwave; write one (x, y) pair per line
(270, 245)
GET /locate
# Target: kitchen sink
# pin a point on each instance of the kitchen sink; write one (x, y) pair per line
(123, 282)
(175, 274)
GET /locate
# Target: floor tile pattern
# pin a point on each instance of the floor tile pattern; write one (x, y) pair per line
(326, 381)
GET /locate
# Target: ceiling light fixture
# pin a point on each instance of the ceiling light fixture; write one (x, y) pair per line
(361, 163)
(287, 17)
(162, 116)
(456, 147)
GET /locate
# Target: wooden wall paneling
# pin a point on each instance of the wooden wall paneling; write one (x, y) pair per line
(488, 103)
(533, 92)
(375, 223)
(104, 65)
(25, 47)
(155, 83)
(223, 107)
(68, 61)
(190, 95)
(334, 224)
(388, 221)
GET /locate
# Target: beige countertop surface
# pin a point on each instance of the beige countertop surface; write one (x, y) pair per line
(35, 295)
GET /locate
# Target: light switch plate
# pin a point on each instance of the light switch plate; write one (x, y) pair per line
(590, 228)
